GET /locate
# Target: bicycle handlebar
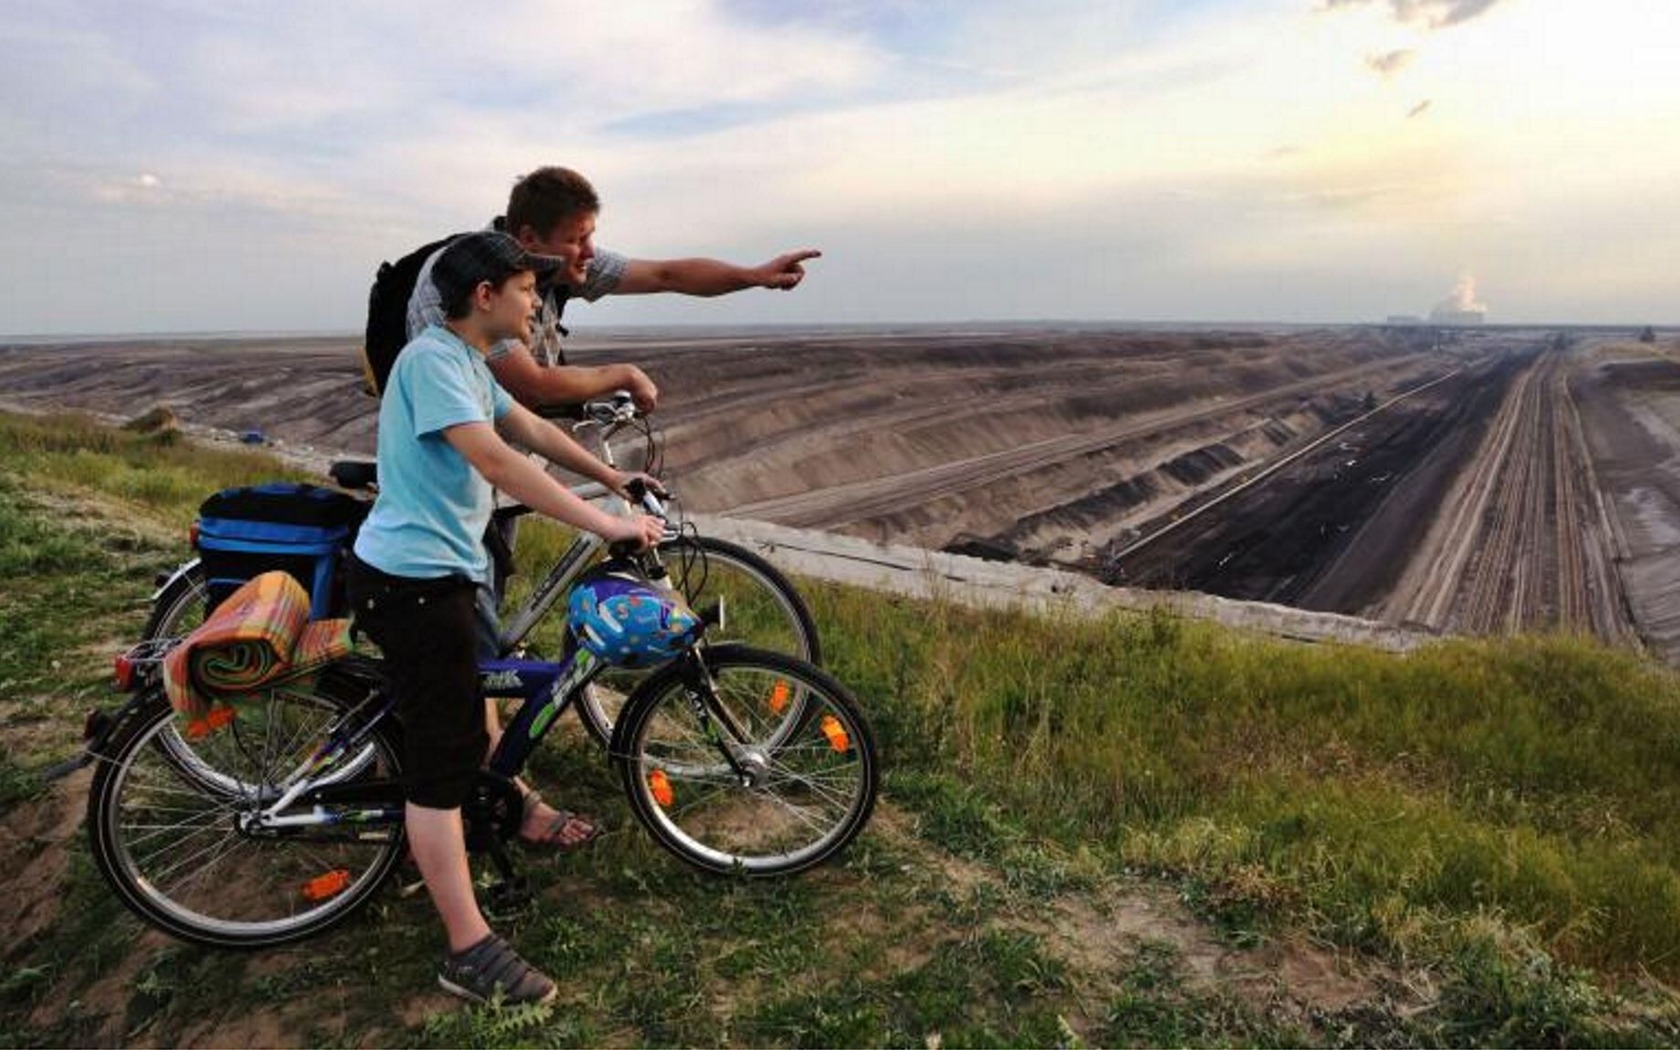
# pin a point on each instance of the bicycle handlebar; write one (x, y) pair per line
(617, 410)
(640, 492)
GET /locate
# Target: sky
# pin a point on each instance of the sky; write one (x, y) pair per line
(209, 165)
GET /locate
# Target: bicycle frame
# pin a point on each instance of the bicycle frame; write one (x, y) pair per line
(573, 560)
(611, 419)
(546, 688)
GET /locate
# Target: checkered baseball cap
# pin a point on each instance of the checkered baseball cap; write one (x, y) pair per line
(487, 255)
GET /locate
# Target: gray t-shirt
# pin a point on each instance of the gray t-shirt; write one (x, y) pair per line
(606, 269)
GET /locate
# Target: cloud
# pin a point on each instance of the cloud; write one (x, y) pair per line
(1391, 62)
(1433, 14)
(1087, 159)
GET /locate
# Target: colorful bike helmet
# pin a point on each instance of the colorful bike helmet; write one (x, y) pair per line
(627, 621)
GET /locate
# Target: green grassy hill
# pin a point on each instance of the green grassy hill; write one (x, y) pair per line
(1133, 830)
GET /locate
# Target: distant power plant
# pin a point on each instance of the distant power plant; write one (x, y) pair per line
(1442, 316)
(1461, 308)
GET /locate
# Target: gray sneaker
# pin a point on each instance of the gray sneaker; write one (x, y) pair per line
(491, 971)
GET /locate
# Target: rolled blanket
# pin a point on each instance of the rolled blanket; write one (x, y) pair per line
(260, 636)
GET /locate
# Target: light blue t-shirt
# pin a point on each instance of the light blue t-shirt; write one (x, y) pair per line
(433, 506)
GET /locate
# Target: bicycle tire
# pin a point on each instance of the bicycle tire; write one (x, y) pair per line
(176, 611)
(761, 609)
(179, 607)
(176, 855)
(809, 788)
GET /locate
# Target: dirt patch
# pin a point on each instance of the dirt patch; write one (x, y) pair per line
(35, 839)
(1102, 934)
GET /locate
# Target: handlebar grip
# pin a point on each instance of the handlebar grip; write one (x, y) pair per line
(640, 492)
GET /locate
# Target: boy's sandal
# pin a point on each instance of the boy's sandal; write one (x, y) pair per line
(492, 972)
(554, 833)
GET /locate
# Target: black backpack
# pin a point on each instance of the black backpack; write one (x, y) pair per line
(387, 316)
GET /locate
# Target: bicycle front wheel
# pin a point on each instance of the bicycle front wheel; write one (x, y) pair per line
(758, 606)
(725, 779)
(192, 857)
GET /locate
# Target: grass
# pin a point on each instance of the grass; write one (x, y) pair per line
(1494, 825)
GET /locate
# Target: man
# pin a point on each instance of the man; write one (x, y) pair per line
(419, 557)
(553, 212)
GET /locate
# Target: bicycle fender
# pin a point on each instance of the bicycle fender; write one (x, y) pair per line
(165, 582)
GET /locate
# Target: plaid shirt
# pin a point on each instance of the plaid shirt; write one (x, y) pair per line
(606, 269)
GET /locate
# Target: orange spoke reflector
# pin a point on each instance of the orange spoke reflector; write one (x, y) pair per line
(836, 733)
(218, 716)
(329, 885)
(660, 785)
(779, 696)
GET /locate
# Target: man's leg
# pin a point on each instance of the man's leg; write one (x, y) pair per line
(487, 641)
(542, 823)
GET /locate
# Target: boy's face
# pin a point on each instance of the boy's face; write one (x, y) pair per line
(513, 307)
(573, 239)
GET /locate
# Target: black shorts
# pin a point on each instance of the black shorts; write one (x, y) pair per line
(425, 628)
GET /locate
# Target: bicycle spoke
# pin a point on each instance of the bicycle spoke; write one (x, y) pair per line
(169, 832)
(793, 789)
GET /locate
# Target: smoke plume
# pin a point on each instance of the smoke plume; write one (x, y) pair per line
(1462, 300)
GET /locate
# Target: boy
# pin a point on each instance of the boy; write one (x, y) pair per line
(419, 558)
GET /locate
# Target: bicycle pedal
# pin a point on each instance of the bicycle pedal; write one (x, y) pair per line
(406, 889)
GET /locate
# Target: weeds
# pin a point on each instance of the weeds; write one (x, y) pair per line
(1498, 820)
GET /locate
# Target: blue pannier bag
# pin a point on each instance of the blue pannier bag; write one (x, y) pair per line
(304, 530)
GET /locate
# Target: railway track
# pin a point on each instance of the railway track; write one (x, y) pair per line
(1520, 544)
(1187, 518)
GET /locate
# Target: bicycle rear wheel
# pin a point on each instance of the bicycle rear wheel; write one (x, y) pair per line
(724, 778)
(180, 606)
(184, 853)
(179, 609)
(759, 607)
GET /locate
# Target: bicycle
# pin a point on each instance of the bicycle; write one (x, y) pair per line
(737, 760)
(758, 606)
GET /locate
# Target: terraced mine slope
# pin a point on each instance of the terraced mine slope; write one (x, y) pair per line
(1477, 480)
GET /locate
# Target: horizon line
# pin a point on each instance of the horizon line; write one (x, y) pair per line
(609, 329)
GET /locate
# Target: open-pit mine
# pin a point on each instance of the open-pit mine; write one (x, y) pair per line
(1477, 480)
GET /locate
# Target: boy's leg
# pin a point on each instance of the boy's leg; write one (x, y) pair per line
(440, 851)
(425, 628)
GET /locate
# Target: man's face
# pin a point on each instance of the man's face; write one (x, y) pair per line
(573, 239)
(513, 307)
